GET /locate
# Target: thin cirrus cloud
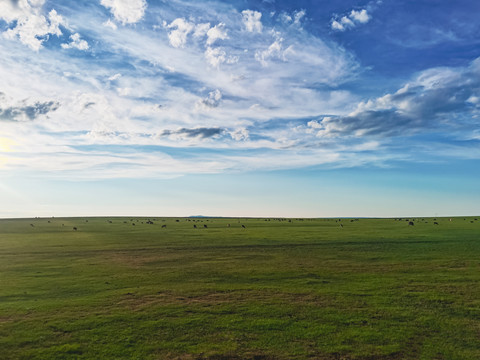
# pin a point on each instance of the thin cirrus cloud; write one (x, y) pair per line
(252, 89)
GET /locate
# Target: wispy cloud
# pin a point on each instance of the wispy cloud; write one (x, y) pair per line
(254, 90)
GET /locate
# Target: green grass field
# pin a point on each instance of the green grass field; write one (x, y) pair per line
(298, 289)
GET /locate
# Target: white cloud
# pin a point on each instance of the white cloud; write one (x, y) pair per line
(252, 20)
(178, 36)
(160, 93)
(360, 16)
(201, 29)
(32, 28)
(292, 19)
(76, 43)
(211, 101)
(126, 11)
(115, 77)
(215, 56)
(241, 134)
(337, 26)
(275, 50)
(110, 24)
(215, 33)
(298, 16)
(351, 20)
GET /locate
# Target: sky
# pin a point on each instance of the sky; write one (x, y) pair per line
(239, 108)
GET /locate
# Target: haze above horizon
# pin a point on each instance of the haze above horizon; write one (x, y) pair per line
(268, 108)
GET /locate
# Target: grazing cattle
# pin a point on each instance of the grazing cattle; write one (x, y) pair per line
(164, 226)
(471, 221)
(411, 223)
(341, 225)
(177, 220)
(205, 226)
(32, 225)
(435, 223)
(243, 226)
(74, 228)
(49, 221)
(194, 226)
(228, 225)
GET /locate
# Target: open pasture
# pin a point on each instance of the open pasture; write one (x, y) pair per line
(122, 288)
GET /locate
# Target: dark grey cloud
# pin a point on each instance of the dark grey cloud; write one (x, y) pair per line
(27, 112)
(437, 100)
(196, 132)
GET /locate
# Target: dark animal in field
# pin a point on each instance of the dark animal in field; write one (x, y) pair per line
(32, 225)
(194, 226)
(74, 228)
(205, 226)
(133, 224)
(341, 225)
(177, 220)
(435, 223)
(49, 221)
(471, 221)
(86, 220)
(411, 223)
(63, 224)
(228, 225)
(164, 226)
(243, 226)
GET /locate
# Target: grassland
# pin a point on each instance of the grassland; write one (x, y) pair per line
(298, 289)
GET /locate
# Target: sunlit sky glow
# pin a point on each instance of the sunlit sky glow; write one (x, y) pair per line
(239, 108)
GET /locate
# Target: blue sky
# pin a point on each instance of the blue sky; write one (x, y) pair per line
(239, 108)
